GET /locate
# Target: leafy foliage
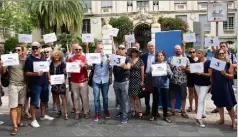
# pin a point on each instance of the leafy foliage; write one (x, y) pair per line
(168, 23)
(10, 44)
(125, 26)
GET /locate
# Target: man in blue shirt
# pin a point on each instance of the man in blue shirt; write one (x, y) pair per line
(38, 84)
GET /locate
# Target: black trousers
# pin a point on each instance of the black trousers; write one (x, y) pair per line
(163, 93)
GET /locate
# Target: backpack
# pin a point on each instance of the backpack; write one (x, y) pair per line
(5, 78)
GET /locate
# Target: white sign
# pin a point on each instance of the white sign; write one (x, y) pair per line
(106, 41)
(159, 69)
(94, 58)
(130, 38)
(41, 66)
(25, 38)
(87, 38)
(73, 67)
(179, 61)
(10, 59)
(217, 64)
(197, 67)
(217, 11)
(113, 32)
(211, 41)
(189, 37)
(57, 79)
(116, 60)
(49, 38)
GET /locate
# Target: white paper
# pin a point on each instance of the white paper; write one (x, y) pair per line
(217, 64)
(113, 32)
(197, 67)
(189, 37)
(10, 59)
(116, 60)
(73, 67)
(159, 69)
(51, 37)
(130, 38)
(57, 79)
(217, 11)
(106, 41)
(41, 66)
(198, 41)
(87, 38)
(211, 41)
(94, 58)
(25, 38)
(179, 61)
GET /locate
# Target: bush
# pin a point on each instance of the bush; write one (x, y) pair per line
(168, 23)
(10, 44)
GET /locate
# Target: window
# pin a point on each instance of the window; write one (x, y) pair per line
(183, 17)
(89, 4)
(155, 2)
(129, 3)
(106, 4)
(86, 26)
(205, 23)
(142, 4)
(203, 1)
(180, 2)
(230, 23)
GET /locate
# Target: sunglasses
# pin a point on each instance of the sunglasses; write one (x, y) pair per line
(121, 48)
(46, 52)
(18, 50)
(191, 52)
(35, 48)
(221, 53)
(222, 46)
(78, 49)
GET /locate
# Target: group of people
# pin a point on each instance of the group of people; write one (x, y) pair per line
(131, 81)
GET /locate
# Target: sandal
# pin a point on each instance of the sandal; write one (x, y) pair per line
(184, 114)
(171, 113)
(73, 110)
(86, 116)
(152, 118)
(22, 125)
(14, 131)
(234, 127)
(157, 114)
(66, 116)
(140, 115)
(58, 114)
(221, 121)
(133, 114)
(77, 116)
(189, 109)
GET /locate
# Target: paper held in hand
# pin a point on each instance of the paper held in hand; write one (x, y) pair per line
(130, 38)
(211, 41)
(116, 60)
(41, 66)
(113, 32)
(197, 67)
(94, 58)
(25, 38)
(87, 38)
(50, 38)
(189, 37)
(73, 67)
(159, 69)
(57, 79)
(217, 64)
(10, 59)
(179, 61)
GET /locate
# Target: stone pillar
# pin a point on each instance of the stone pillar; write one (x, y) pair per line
(155, 27)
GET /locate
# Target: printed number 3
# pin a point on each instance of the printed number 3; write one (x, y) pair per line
(118, 61)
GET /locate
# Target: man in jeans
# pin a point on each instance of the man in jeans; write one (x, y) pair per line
(38, 84)
(101, 84)
(121, 83)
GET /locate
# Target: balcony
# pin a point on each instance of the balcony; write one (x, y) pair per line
(180, 6)
(106, 10)
(88, 11)
(202, 6)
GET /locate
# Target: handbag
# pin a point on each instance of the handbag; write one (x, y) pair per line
(5, 78)
(90, 77)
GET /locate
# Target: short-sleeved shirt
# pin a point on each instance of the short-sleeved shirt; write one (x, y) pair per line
(101, 71)
(83, 75)
(202, 80)
(17, 73)
(120, 74)
(179, 76)
(35, 80)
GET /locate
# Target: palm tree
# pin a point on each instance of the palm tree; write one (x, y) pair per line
(53, 15)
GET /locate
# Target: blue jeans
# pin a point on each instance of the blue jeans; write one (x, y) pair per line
(96, 92)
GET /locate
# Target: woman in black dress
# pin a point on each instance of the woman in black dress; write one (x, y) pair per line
(58, 67)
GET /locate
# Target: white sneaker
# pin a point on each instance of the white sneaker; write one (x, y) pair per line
(34, 123)
(200, 123)
(1, 122)
(47, 118)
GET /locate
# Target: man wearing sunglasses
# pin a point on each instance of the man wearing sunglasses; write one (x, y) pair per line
(79, 83)
(38, 84)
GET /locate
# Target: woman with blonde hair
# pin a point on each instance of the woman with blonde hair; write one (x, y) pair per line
(57, 67)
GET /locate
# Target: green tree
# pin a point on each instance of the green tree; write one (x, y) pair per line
(168, 23)
(53, 15)
(10, 44)
(125, 26)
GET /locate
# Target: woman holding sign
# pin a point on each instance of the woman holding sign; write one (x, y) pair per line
(57, 68)
(136, 81)
(222, 91)
(160, 81)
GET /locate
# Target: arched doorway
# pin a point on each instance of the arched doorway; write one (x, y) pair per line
(142, 34)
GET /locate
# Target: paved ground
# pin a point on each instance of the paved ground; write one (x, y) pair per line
(113, 127)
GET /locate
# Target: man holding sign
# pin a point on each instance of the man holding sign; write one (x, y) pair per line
(180, 66)
(39, 85)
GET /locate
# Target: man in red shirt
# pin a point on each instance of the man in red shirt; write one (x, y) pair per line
(79, 83)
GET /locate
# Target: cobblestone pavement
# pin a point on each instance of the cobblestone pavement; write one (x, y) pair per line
(113, 127)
